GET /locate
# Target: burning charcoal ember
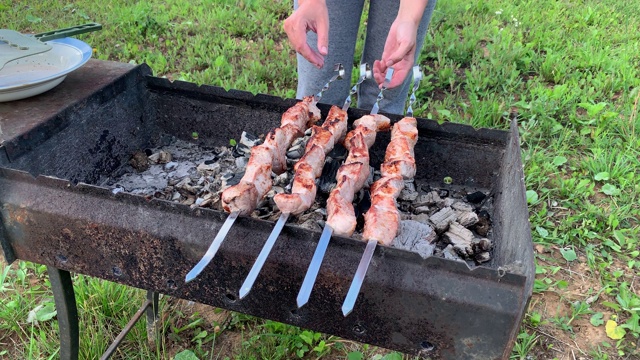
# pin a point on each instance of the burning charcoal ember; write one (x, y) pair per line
(448, 202)
(476, 197)
(161, 157)
(442, 219)
(461, 238)
(416, 237)
(484, 223)
(139, 161)
(482, 257)
(175, 196)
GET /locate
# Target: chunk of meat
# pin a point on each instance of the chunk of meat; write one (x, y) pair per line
(382, 220)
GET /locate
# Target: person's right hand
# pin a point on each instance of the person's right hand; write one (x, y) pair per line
(310, 15)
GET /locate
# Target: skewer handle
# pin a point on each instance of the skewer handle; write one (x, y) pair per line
(385, 85)
(213, 248)
(365, 73)
(339, 69)
(417, 77)
(358, 278)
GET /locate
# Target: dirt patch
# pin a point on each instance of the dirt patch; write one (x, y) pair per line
(564, 334)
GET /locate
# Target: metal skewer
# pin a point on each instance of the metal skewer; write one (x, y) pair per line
(363, 266)
(365, 73)
(327, 232)
(224, 230)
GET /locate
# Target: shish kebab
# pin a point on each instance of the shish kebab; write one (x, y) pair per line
(307, 170)
(382, 220)
(351, 177)
(243, 198)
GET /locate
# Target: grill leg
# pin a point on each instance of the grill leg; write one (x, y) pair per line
(65, 300)
(152, 318)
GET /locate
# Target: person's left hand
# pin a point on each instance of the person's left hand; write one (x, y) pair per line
(399, 52)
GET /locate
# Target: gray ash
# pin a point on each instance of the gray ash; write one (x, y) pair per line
(449, 223)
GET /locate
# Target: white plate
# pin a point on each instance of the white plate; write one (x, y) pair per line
(38, 73)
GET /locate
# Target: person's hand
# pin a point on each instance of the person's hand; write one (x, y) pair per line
(399, 52)
(310, 15)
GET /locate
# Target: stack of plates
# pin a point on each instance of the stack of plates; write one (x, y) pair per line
(38, 73)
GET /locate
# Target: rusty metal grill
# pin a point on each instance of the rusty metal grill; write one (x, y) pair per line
(54, 214)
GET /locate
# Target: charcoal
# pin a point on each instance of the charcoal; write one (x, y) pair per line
(423, 218)
(231, 179)
(466, 218)
(461, 239)
(311, 225)
(241, 162)
(430, 199)
(461, 206)
(170, 166)
(241, 150)
(442, 219)
(481, 245)
(476, 197)
(327, 180)
(282, 179)
(211, 169)
(409, 192)
(450, 254)
(415, 236)
(249, 139)
(161, 157)
(448, 202)
(362, 202)
(484, 223)
(210, 161)
(175, 196)
(421, 210)
(482, 257)
(443, 193)
(139, 161)
(295, 152)
(339, 152)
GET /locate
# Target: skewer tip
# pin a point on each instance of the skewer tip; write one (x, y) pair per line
(243, 292)
(346, 310)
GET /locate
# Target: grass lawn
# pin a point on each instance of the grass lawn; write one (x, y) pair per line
(567, 70)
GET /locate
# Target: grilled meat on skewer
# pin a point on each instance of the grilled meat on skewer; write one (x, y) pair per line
(353, 173)
(383, 218)
(309, 167)
(269, 156)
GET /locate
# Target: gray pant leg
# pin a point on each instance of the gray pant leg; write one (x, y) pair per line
(382, 13)
(344, 20)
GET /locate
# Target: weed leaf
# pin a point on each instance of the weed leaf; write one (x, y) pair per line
(559, 160)
(602, 176)
(610, 189)
(532, 197)
(42, 313)
(596, 319)
(542, 231)
(186, 355)
(568, 254)
(614, 331)
(355, 355)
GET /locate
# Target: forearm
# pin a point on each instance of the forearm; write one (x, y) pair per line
(412, 10)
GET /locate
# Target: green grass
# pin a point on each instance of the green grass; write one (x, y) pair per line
(567, 70)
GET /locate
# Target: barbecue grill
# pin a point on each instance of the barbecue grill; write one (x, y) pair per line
(56, 148)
